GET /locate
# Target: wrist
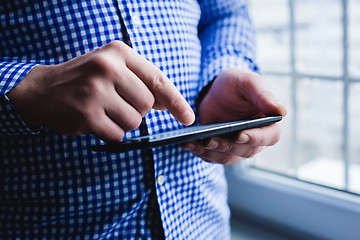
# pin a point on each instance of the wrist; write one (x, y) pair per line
(24, 96)
(202, 95)
(209, 110)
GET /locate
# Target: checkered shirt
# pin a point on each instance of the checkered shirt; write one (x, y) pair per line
(53, 186)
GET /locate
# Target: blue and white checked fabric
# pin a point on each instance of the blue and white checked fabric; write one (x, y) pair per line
(53, 186)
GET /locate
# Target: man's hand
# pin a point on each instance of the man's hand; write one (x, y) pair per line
(236, 95)
(105, 92)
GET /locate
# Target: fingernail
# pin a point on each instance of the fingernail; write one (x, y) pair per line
(189, 146)
(190, 116)
(212, 144)
(244, 138)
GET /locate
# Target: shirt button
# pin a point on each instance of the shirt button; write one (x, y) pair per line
(136, 20)
(160, 180)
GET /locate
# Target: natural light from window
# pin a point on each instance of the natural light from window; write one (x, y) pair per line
(309, 54)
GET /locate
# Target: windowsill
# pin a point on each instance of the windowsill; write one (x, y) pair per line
(244, 226)
(307, 209)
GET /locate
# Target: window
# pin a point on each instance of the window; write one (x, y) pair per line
(309, 54)
(305, 58)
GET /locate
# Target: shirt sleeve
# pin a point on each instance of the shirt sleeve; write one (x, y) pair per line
(227, 38)
(10, 121)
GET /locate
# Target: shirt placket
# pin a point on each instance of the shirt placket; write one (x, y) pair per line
(130, 23)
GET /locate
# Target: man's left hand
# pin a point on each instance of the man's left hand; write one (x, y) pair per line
(236, 95)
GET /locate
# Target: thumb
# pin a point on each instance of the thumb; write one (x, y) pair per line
(262, 98)
(268, 104)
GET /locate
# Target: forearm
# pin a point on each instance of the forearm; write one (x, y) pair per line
(227, 38)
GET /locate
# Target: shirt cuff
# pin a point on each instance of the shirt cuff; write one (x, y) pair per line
(213, 67)
(10, 121)
(12, 73)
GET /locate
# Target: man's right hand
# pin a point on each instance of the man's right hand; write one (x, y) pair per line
(105, 92)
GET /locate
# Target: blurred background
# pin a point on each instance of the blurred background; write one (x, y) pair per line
(308, 52)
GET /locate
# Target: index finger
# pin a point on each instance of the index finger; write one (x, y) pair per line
(162, 88)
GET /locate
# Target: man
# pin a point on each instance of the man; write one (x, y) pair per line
(68, 81)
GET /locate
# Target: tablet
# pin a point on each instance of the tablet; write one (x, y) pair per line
(184, 135)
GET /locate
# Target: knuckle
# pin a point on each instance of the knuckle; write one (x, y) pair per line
(133, 123)
(147, 103)
(89, 114)
(113, 50)
(251, 152)
(90, 91)
(254, 139)
(113, 135)
(158, 80)
(226, 147)
(117, 45)
(119, 135)
(207, 142)
(99, 64)
(109, 135)
(247, 79)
